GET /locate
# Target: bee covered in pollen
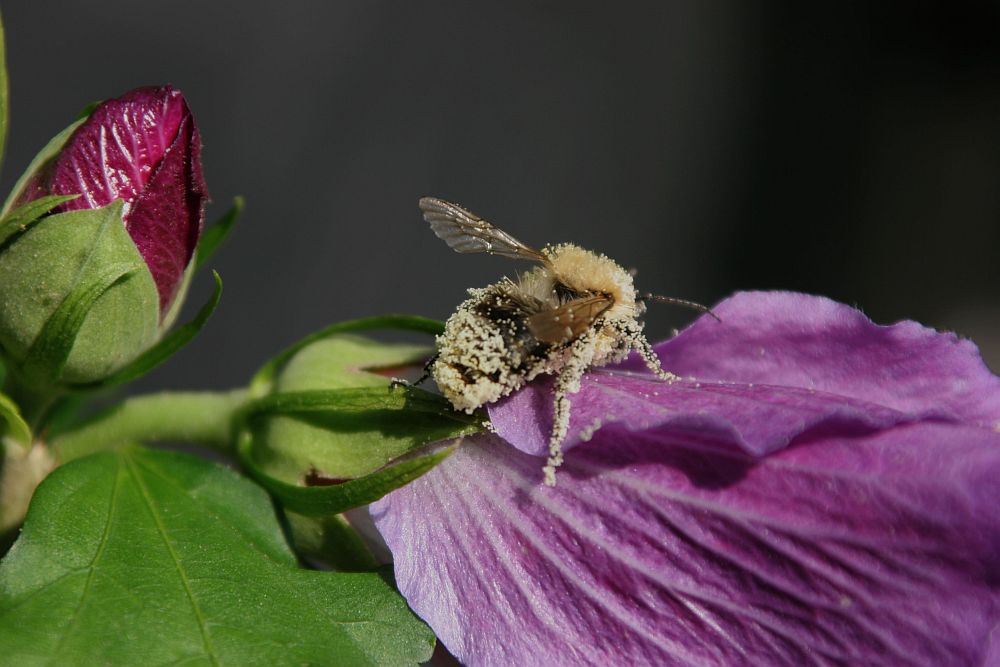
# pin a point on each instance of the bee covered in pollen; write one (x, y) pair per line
(576, 309)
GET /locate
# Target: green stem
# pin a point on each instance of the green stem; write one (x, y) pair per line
(33, 404)
(201, 418)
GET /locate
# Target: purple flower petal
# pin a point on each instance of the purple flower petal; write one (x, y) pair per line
(167, 218)
(756, 419)
(142, 148)
(668, 549)
(817, 490)
(798, 340)
(778, 364)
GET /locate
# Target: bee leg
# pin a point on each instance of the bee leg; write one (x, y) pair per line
(567, 382)
(645, 350)
(427, 370)
(396, 382)
(560, 424)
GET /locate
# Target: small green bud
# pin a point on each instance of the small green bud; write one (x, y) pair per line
(329, 431)
(340, 443)
(64, 267)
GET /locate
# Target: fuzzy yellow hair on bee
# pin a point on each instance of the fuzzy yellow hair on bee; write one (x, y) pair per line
(575, 310)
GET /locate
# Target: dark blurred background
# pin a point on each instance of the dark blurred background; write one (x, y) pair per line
(833, 148)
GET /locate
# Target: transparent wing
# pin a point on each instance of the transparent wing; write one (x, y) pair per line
(568, 321)
(465, 231)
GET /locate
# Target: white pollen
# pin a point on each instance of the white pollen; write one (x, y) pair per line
(486, 351)
(588, 433)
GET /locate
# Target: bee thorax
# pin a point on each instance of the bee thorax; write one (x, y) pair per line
(586, 271)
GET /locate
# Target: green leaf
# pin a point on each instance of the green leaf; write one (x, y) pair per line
(4, 93)
(48, 354)
(168, 346)
(154, 558)
(214, 236)
(16, 428)
(265, 377)
(21, 218)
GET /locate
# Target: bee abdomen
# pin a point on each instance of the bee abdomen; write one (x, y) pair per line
(487, 350)
(509, 319)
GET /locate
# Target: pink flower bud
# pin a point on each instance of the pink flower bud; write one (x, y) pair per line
(143, 148)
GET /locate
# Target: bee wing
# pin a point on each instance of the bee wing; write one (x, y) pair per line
(465, 231)
(568, 321)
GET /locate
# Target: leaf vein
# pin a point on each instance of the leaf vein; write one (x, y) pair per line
(181, 573)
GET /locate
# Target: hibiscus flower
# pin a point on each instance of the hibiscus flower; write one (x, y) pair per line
(816, 490)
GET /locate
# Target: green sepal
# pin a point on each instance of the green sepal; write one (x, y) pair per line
(66, 411)
(88, 109)
(333, 541)
(330, 410)
(348, 432)
(47, 356)
(323, 412)
(357, 400)
(154, 557)
(407, 419)
(167, 347)
(21, 218)
(264, 378)
(320, 501)
(4, 93)
(16, 429)
(53, 269)
(215, 235)
(49, 151)
(180, 298)
(328, 414)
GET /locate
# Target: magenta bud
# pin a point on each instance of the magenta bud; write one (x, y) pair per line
(143, 148)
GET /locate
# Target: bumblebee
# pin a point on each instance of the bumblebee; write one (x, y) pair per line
(574, 310)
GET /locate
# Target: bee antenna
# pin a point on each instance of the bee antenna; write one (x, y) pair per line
(679, 302)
